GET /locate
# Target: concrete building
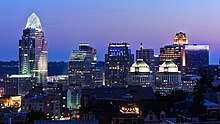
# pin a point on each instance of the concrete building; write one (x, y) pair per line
(140, 74)
(168, 78)
(47, 103)
(147, 55)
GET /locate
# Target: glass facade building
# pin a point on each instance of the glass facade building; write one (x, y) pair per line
(80, 66)
(33, 58)
(196, 58)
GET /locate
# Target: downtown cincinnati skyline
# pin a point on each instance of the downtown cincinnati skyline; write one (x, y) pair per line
(153, 23)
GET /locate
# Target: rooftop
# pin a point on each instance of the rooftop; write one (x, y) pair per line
(33, 22)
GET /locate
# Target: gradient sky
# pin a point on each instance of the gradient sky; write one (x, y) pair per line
(67, 23)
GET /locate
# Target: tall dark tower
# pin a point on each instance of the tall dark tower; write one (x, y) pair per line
(33, 58)
(117, 63)
(196, 58)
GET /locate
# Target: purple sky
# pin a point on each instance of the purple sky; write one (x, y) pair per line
(67, 23)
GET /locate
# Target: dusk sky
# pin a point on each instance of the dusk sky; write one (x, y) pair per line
(67, 23)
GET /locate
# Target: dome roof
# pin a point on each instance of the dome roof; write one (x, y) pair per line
(140, 63)
(140, 66)
(168, 66)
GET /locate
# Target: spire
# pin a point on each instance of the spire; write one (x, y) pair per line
(33, 22)
(141, 46)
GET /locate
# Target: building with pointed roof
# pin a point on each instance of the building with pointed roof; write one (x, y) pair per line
(168, 78)
(140, 74)
(33, 58)
(33, 22)
(168, 66)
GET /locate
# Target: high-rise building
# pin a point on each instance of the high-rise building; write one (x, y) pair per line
(180, 39)
(80, 66)
(140, 74)
(147, 55)
(168, 78)
(33, 51)
(171, 53)
(195, 57)
(117, 63)
(98, 76)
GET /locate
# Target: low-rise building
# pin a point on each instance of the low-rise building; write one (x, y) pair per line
(47, 103)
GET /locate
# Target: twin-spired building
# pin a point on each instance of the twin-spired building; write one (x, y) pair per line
(33, 58)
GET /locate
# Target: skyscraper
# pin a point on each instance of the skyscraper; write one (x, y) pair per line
(180, 39)
(147, 55)
(171, 53)
(168, 78)
(80, 66)
(174, 52)
(196, 57)
(140, 74)
(117, 63)
(33, 51)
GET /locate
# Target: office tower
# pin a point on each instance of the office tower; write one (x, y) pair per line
(117, 63)
(87, 47)
(180, 39)
(195, 58)
(140, 74)
(80, 66)
(33, 51)
(168, 78)
(147, 55)
(98, 78)
(171, 53)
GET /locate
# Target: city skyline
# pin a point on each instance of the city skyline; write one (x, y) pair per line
(116, 21)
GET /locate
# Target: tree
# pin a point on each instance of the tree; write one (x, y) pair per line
(202, 85)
